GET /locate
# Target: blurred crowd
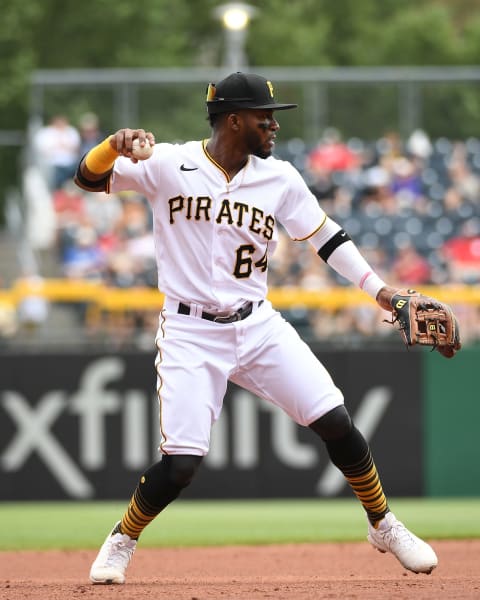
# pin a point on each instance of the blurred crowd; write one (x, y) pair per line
(412, 207)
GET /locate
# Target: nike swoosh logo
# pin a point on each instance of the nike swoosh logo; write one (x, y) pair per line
(184, 168)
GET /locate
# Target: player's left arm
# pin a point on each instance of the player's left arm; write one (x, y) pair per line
(422, 320)
(299, 209)
(336, 248)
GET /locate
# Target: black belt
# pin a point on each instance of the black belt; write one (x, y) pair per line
(242, 313)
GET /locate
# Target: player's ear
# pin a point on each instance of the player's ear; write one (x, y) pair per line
(234, 121)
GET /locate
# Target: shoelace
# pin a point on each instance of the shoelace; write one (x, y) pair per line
(120, 554)
(398, 532)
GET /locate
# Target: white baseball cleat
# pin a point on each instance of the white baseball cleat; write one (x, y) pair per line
(113, 559)
(392, 536)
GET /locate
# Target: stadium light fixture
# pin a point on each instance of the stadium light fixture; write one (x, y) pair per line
(235, 17)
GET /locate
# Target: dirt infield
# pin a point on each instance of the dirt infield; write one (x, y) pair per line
(294, 572)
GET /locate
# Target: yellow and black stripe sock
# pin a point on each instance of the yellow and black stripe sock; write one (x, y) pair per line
(365, 483)
(158, 486)
(137, 516)
(351, 454)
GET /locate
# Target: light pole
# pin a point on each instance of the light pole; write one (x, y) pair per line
(235, 17)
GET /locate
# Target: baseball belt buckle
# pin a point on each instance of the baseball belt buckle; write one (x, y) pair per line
(236, 316)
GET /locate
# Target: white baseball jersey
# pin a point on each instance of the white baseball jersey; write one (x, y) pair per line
(214, 236)
(213, 239)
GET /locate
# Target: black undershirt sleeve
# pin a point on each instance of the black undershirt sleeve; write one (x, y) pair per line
(95, 186)
(100, 185)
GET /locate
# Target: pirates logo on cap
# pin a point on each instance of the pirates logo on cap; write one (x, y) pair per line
(211, 92)
(270, 88)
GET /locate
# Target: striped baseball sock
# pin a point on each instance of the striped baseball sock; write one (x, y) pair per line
(158, 486)
(365, 483)
(137, 516)
(351, 454)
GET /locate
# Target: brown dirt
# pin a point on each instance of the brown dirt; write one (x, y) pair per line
(293, 572)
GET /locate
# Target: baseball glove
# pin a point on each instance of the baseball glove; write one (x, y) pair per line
(425, 321)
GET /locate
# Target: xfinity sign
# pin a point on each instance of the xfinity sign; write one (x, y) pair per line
(91, 404)
(88, 427)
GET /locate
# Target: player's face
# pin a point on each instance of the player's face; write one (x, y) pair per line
(260, 132)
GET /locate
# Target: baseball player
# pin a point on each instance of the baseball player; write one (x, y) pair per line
(216, 207)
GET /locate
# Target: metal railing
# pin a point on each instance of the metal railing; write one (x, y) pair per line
(408, 108)
(141, 298)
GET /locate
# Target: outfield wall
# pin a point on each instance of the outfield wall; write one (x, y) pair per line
(84, 427)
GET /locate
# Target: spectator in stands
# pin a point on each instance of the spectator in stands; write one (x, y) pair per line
(419, 146)
(329, 156)
(33, 309)
(409, 267)
(83, 258)
(69, 207)
(374, 189)
(120, 267)
(136, 217)
(332, 154)
(406, 183)
(462, 177)
(90, 132)
(389, 148)
(463, 253)
(105, 212)
(57, 146)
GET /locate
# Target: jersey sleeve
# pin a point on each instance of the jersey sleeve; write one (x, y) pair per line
(299, 212)
(141, 177)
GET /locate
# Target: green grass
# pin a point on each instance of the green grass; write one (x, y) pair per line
(70, 525)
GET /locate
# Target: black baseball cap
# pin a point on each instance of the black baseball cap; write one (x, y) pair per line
(242, 90)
